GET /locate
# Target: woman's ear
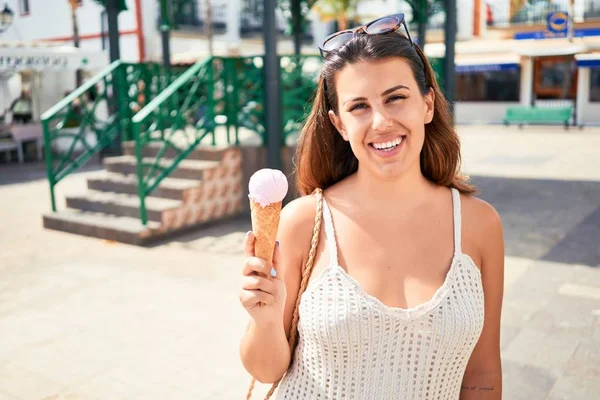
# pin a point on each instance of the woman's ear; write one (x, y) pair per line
(429, 106)
(337, 122)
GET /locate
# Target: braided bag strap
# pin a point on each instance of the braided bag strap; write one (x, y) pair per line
(293, 336)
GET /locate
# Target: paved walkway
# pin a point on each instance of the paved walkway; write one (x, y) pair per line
(81, 318)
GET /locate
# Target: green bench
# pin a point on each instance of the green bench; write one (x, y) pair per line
(537, 115)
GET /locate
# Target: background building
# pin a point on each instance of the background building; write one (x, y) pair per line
(41, 36)
(506, 54)
(50, 21)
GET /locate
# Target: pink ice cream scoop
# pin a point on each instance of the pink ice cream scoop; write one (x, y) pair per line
(267, 186)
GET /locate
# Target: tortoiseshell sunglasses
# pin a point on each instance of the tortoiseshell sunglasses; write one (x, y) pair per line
(379, 26)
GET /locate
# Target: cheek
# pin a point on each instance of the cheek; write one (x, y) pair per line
(355, 139)
(409, 113)
(355, 127)
(411, 117)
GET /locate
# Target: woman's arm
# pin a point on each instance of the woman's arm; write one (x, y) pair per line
(483, 375)
(264, 349)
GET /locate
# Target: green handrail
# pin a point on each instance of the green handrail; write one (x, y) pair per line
(232, 87)
(93, 115)
(245, 101)
(166, 119)
(150, 105)
(77, 121)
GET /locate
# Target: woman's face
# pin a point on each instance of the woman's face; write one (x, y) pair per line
(382, 113)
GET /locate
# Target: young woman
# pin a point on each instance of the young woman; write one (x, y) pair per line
(403, 295)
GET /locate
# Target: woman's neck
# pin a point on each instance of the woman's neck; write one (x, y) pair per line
(409, 188)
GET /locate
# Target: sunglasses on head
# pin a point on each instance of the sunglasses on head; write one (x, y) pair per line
(380, 26)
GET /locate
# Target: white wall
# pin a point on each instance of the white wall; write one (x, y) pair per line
(51, 20)
(587, 113)
(526, 86)
(481, 112)
(152, 39)
(465, 19)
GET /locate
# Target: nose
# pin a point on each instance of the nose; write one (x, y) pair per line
(381, 122)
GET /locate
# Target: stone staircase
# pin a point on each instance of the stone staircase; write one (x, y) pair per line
(205, 187)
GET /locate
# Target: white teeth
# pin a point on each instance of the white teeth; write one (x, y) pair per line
(387, 145)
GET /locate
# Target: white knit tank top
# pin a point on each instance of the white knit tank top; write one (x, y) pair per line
(352, 346)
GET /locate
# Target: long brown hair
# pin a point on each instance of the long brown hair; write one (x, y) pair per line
(324, 158)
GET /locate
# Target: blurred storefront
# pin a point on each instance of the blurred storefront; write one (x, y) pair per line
(530, 53)
(45, 70)
(549, 73)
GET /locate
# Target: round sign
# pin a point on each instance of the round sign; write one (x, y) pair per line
(557, 21)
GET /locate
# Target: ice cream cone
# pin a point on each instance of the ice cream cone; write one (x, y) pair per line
(265, 221)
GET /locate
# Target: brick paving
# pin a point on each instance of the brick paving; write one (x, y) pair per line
(82, 318)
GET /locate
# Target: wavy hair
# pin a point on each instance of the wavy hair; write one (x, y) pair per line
(324, 158)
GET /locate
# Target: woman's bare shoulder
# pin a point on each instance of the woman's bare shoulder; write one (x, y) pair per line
(479, 213)
(297, 222)
(300, 211)
(481, 227)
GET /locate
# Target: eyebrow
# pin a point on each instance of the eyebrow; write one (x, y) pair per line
(390, 90)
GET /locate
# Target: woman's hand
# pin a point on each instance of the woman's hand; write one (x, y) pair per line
(262, 294)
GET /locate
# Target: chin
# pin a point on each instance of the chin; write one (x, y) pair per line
(394, 169)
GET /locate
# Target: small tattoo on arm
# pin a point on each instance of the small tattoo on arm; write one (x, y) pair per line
(473, 388)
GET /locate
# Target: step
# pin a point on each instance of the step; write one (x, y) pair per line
(202, 152)
(168, 188)
(124, 205)
(104, 226)
(187, 169)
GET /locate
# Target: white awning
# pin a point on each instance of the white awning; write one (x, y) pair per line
(559, 49)
(21, 57)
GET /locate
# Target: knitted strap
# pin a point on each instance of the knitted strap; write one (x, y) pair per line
(457, 220)
(303, 284)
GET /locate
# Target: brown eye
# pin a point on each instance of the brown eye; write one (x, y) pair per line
(394, 98)
(357, 107)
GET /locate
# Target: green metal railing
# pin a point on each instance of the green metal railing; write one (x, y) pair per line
(243, 78)
(217, 91)
(243, 100)
(178, 119)
(82, 124)
(175, 109)
(92, 117)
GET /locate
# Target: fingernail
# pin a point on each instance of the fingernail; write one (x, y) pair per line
(248, 233)
(273, 272)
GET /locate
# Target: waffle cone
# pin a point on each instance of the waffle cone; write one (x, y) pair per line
(265, 222)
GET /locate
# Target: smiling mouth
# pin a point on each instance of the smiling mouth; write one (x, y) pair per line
(389, 145)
